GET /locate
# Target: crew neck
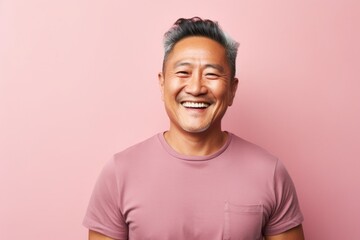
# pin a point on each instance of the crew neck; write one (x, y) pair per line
(175, 154)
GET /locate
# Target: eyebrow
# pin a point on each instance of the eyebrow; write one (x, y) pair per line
(209, 65)
(180, 63)
(215, 66)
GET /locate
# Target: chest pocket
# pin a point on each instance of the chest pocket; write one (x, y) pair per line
(242, 222)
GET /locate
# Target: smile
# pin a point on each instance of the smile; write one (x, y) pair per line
(195, 104)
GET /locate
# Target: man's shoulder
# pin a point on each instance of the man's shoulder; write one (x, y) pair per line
(140, 149)
(249, 150)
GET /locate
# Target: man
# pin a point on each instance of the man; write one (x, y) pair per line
(195, 181)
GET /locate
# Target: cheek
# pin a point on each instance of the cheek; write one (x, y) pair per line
(219, 90)
(172, 87)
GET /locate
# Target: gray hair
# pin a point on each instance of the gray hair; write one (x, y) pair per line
(196, 26)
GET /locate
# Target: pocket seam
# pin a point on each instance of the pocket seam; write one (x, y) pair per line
(239, 209)
(246, 209)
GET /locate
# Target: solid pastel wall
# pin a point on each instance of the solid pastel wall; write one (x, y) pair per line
(78, 82)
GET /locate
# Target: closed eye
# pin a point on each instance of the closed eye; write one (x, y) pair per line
(182, 73)
(212, 75)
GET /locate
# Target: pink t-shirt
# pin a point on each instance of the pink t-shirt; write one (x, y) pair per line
(149, 191)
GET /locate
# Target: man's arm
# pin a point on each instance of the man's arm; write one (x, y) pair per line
(97, 236)
(295, 233)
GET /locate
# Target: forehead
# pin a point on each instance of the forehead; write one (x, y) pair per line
(197, 48)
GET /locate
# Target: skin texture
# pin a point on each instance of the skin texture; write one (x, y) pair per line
(98, 236)
(292, 234)
(197, 71)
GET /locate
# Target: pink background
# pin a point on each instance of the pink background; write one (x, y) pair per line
(78, 83)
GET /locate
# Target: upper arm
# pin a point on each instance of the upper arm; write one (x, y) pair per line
(98, 236)
(103, 214)
(285, 211)
(295, 233)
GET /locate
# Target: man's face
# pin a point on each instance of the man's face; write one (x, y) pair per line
(196, 85)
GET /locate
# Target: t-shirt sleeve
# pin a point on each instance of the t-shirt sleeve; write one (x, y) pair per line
(286, 212)
(103, 214)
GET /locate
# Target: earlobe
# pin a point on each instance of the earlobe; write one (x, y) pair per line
(161, 84)
(234, 86)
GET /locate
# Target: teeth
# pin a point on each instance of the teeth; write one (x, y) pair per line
(195, 104)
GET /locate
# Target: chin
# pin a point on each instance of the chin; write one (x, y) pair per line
(199, 129)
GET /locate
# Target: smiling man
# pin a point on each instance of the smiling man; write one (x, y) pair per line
(195, 181)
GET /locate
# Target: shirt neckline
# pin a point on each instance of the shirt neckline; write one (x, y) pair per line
(175, 154)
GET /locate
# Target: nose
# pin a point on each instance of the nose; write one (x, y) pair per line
(195, 85)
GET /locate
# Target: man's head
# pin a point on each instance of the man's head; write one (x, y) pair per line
(196, 26)
(197, 81)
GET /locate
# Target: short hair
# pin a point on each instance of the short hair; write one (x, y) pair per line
(187, 27)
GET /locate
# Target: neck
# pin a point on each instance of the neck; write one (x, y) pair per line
(196, 144)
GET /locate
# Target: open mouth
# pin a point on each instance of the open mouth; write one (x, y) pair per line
(198, 105)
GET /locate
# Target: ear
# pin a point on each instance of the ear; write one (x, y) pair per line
(161, 84)
(234, 85)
